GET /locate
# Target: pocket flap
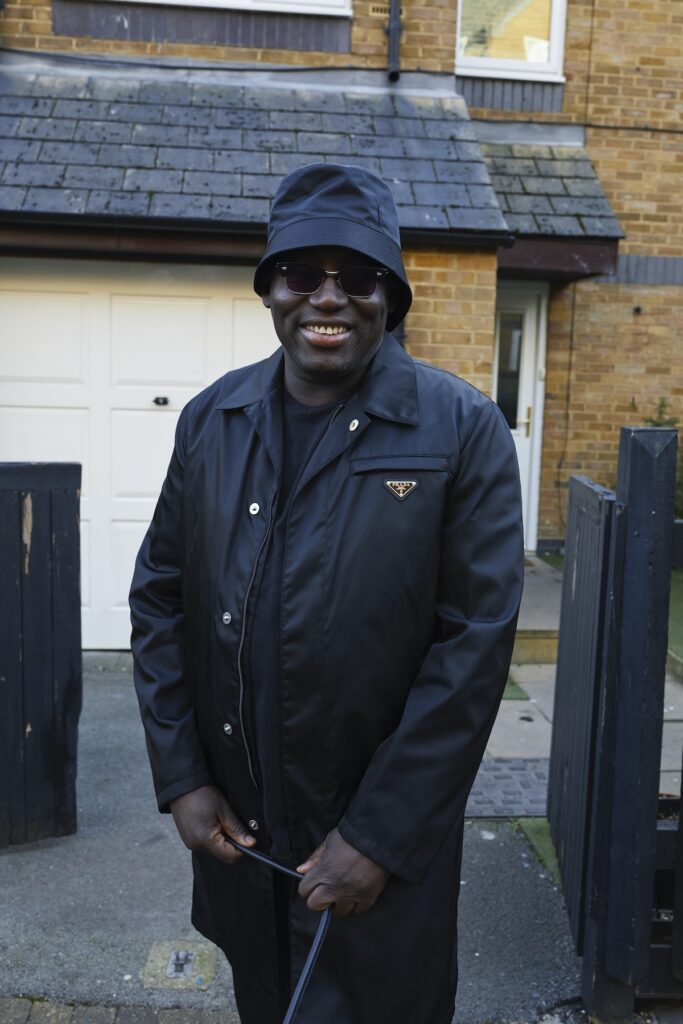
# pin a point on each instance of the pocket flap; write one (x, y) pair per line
(400, 463)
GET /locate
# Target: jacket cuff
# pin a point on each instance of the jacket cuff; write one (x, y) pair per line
(405, 869)
(180, 788)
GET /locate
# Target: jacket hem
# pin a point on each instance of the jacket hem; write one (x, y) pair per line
(209, 933)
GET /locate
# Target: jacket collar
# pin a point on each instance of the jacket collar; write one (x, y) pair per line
(388, 389)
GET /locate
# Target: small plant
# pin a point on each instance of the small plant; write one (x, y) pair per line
(662, 418)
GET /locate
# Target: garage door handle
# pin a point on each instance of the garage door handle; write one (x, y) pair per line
(323, 925)
(161, 400)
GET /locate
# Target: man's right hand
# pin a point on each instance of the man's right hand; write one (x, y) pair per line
(204, 817)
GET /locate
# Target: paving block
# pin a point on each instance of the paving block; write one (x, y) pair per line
(94, 1015)
(51, 1013)
(137, 1015)
(14, 1011)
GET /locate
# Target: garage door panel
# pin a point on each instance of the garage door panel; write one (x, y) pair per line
(253, 333)
(28, 434)
(86, 589)
(126, 538)
(141, 446)
(45, 337)
(159, 340)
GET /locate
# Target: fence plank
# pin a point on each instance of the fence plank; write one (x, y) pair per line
(645, 487)
(584, 588)
(12, 822)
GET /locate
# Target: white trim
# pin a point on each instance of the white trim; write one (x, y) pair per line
(489, 67)
(540, 292)
(331, 8)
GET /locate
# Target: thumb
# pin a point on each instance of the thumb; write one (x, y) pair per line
(312, 860)
(233, 827)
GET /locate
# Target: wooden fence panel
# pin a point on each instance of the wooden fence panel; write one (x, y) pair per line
(584, 587)
(40, 649)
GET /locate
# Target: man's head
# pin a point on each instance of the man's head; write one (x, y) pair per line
(343, 221)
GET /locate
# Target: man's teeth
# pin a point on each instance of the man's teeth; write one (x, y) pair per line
(322, 329)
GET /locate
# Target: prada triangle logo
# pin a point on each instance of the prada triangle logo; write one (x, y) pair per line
(400, 488)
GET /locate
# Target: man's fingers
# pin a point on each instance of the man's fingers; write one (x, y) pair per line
(320, 898)
(312, 860)
(233, 827)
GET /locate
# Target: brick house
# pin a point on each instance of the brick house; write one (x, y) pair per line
(534, 150)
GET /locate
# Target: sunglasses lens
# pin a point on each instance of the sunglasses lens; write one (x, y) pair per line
(359, 282)
(303, 278)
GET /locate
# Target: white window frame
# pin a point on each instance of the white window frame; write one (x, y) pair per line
(528, 71)
(332, 8)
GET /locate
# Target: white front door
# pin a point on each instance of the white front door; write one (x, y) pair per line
(96, 361)
(518, 384)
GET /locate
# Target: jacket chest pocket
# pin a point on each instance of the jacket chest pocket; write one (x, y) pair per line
(401, 490)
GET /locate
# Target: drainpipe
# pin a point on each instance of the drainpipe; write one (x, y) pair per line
(394, 33)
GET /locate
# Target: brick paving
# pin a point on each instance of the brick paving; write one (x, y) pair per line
(26, 1011)
(510, 788)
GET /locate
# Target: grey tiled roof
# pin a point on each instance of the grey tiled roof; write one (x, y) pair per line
(179, 144)
(550, 190)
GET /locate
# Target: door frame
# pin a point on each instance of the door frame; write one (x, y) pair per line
(534, 294)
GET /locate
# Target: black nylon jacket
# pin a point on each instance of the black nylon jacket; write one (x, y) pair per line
(398, 620)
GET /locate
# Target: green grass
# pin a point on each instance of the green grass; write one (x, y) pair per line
(676, 613)
(554, 559)
(537, 832)
(513, 691)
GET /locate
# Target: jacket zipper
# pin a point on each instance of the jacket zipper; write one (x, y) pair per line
(243, 634)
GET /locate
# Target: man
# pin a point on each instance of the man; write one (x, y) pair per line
(323, 616)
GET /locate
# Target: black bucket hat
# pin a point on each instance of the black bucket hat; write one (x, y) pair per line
(337, 204)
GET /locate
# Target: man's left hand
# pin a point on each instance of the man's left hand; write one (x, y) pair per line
(336, 873)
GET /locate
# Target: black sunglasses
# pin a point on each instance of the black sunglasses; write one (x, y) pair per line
(306, 278)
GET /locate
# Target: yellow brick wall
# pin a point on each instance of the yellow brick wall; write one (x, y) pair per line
(428, 39)
(609, 369)
(451, 321)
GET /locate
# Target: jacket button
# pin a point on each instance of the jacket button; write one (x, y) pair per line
(227, 618)
(353, 425)
(254, 508)
(253, 824)
(227, 728)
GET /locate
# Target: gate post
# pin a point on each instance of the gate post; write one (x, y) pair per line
(622, 846)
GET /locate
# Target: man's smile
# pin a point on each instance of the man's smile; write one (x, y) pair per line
(325, 333)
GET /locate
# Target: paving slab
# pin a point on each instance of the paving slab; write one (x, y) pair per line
(520, 730)
(672, 746)
(540, 608)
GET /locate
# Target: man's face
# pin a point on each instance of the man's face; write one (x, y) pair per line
(319, 357)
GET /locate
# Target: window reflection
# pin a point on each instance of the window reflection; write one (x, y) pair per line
(509, 360)
(505, 29)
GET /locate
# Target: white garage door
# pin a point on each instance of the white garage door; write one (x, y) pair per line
(96, 362)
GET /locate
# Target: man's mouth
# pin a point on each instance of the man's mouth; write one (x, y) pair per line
(326, 334)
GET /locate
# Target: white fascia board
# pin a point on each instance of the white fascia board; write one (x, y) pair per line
(335, 8)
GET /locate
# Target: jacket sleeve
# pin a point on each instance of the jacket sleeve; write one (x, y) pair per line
(157, 641)
(417, 783)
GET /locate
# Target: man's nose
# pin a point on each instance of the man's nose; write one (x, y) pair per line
(329, 295)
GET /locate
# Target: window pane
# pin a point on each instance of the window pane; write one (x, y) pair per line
(509, 351)
(505, 29)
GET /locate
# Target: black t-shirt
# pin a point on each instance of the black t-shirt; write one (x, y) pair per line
(303, 427)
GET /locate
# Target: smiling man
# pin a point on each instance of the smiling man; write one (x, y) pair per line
(323, 613)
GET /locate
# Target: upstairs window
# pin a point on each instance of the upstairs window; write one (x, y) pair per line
(511, 39)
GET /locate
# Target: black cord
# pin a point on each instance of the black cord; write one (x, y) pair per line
(318, 939)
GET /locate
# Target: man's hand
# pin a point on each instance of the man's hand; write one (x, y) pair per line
(204, 817)
(336, 873)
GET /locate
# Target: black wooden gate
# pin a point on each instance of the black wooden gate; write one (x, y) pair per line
(603, 801)
(40, 649)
